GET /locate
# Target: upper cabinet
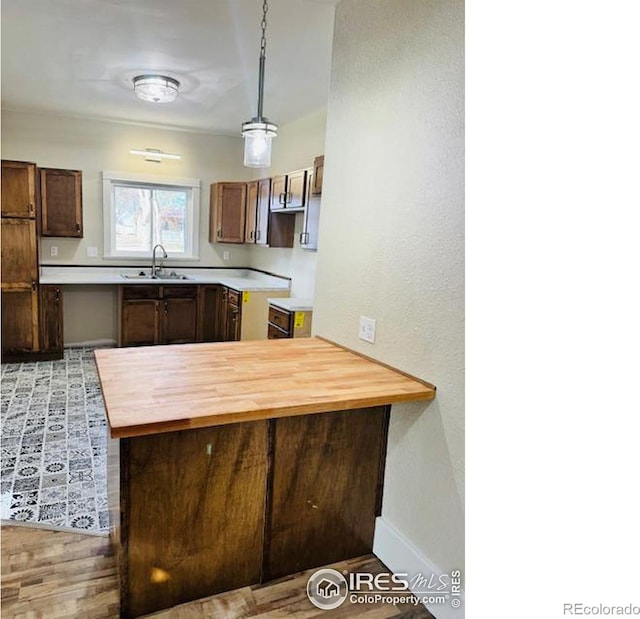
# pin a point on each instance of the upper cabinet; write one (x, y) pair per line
(309, 234)
(61, 202)
(250, 231)
(227, 212)
(318, 173)
(18, 189)
(288, 192)
(273, 230)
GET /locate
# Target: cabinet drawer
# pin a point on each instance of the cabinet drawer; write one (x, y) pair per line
(280, 318)
(179, 292)
(140, 292)
(275, 333)
(233, 297)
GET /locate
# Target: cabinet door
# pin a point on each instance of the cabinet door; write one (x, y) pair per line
(227, 212)
(262, 214)
(18, 189)
(51, 319)
(252, 211)
(179, 321)
(233, 323)
(61, 202)
(273, 230)
(318, 173)
(278, 192)
(296, 189)
(209, 303)
(140, 322)
(326, 488)
(309, 234)
(19, 253)
(20, 329)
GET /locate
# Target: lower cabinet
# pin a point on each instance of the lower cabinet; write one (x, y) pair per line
(152, 315)
(51, 318)
(20, 328)
(284, 323)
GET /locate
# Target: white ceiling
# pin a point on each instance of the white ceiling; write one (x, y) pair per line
(78, 57)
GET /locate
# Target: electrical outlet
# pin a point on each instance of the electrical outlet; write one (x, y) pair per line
(226, 255)
(92, 252)
(54, 250)
(367, 331)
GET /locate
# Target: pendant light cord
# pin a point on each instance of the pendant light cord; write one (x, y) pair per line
(263, 25)
(263, 48)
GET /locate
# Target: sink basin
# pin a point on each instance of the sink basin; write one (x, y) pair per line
(143, 276)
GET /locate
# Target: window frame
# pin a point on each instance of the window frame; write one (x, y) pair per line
(110, 179)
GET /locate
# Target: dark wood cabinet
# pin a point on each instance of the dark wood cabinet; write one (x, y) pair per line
(272, 229)
(210, 314)
(20, 320)
(51, 319)
(311, 221)
(227, 212)
(250, 228)
(61, 202)
(318, 175)
(18, 189)
(151, 315)
(233, 315)
(288, 192)
(285, 323)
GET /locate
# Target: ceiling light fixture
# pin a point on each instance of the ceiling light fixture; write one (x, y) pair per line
(258, 131)
(153, 154)
(156, 88)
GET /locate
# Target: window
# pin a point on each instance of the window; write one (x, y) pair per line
(140, 212)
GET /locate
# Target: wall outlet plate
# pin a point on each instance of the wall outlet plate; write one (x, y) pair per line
(226, 255)
(367, 330)
(54, 250)
(92, 252)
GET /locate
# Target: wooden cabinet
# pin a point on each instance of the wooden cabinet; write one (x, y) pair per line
(288, 192)
(20, 320)
(318, 174)
(311, 221)
(251, 220)
(51, 317)
(284, 323)
(227, 212)
(152, 315)
(18, 189)
(61, 202)
(273, 230)
(233, 315)
(211, 319)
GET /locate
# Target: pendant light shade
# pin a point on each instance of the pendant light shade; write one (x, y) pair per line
(258, 132)
(156, 88)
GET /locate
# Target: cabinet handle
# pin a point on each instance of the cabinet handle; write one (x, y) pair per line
(31, 207)
(257, 235)
(77, 227)
(282, 198)
(219, 232)
(34, 285)
(57, 295)
(288, 198)
(301, 237)
(166, 308)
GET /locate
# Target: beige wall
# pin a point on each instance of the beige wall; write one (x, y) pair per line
(296, 146)
(392, 231)
(93, 146)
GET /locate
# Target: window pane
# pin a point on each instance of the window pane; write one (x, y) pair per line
(132, 211)
(170, 225)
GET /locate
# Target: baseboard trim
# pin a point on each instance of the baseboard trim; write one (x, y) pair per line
(401, 556)
(104, 342)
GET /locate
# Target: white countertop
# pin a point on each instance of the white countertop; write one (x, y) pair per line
(239, 279)
(293, 304)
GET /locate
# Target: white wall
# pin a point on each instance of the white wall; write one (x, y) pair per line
(392, 230)
(296, 146)
(93, 146)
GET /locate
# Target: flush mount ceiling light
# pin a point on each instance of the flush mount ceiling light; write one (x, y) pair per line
(153, 154)
(258, 131)
(156, 88)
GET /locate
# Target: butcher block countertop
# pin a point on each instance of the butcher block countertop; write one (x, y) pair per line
(155, 389)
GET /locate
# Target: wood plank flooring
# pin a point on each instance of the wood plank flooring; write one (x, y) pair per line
(55, 575)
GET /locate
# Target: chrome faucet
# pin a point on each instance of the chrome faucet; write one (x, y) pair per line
(155, 269)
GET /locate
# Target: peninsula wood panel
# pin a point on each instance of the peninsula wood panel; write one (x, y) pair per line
(199, 385)
(193, 504)
(326, 486)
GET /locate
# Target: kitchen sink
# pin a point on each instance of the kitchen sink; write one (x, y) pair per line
(163, 276)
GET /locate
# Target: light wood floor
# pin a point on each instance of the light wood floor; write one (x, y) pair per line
(54, 574)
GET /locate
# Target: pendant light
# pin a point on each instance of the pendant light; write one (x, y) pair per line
(258, 131)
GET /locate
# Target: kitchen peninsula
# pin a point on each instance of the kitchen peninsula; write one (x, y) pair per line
(241, 462)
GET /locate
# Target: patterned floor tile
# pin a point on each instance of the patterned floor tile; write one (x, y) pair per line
(54, 443)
